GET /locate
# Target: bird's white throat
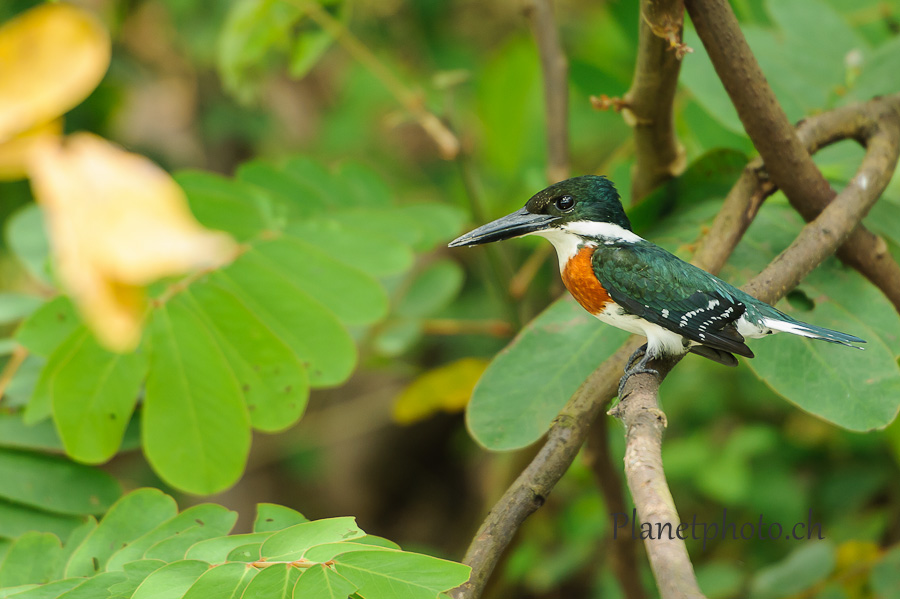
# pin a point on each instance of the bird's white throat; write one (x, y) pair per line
(568, 237)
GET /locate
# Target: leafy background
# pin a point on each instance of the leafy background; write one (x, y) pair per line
(342, 206)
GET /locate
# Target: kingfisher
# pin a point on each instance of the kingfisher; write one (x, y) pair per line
(630, 283)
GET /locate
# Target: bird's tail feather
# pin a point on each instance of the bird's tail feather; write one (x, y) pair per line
(813, 332)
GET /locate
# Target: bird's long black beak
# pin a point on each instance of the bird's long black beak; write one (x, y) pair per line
(520, 222)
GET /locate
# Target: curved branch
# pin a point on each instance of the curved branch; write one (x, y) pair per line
(787, 161)
(528, 492)
(647, 106)
(555, 67)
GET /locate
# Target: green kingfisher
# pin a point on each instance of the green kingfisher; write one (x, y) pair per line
(630, 283)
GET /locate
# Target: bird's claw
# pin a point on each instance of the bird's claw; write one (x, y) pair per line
(630, 373)
(637, 364)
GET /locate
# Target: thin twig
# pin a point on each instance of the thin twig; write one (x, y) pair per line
(447, 143)
(647, 106)
(787, 161)
(555, 68)
(449, 326)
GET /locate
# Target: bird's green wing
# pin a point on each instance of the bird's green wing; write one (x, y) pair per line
(649, 282)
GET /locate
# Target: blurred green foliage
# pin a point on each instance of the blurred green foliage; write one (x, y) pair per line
(309, 143)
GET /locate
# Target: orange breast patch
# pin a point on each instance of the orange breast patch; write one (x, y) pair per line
(579, 279)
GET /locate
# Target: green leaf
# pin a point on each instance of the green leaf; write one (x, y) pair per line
(388, 574)
(50, 590)
(527, 383)
(799, 571)
(218, 549)
(253, 31)
(885, 576)
(135, 574)
(296, 196)
(273, 582)
(390, 223)
(49, 326)
(22, 386)
(226, 204)
(40, 406)
(699, 77)
(218, 522)
(271, 517)
(291, 543)
(327, 551)
(323, 582)
(249, 552)
(16, 520)
(878, 69)
(96, 586)
(354, 296)
(226, 581)
(272, 378)
(195, 425)
(128, 519)
(432, 289)
(439, 223)
(309, 329)
(16, 306)
(370, 251)
(26, 237)
(35, 558)
(843, 301)
(213, 518)
(310, 47)
(55, 484)
(365, 186)
(171, 581)
(15, 434)
(94, 393)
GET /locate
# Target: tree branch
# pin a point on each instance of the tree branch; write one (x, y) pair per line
(555, 67)
(787, 161)
(647, 106)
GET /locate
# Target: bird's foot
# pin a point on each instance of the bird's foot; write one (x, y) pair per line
(631, 373)
(639, 354)
(637, 364)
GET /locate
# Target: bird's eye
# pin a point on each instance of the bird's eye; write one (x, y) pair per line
(564, 203)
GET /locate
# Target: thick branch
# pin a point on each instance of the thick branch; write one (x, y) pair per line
(787, 161)
(530, 489)
(647, 106)
(555, 67)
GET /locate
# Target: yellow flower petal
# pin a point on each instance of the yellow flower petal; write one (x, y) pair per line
(14, 153)
(117, 222)
(52, 57)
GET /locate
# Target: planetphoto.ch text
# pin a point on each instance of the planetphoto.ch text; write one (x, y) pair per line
(720, 529)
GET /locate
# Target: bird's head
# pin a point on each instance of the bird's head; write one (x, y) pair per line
(587, 207)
